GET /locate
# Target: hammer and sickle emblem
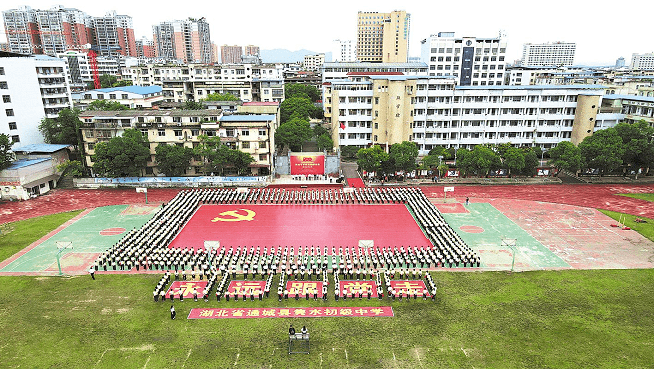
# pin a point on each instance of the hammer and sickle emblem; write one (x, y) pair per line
(235, 216)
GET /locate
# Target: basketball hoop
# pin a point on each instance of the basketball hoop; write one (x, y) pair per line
(62, 245)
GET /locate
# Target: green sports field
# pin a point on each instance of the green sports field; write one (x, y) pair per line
(556, 319)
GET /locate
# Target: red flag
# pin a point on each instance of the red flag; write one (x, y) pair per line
(342, 125)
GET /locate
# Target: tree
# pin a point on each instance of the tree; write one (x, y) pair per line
(440, 151)
(6, 155)
(482, 159)
(531, 161)
(514, 159)
(122, 156)
(172, 160)
(240, 161)
(603, 150)
(371, 159)
(74, 167)
(404, 155)
(638, 140)
(293, 134)
(349, 152)
(319, 130)
(464, 160)
(430, 161)
(107, 105)
(298, 105)
(325, 142)
(221, 97)
(301, 90)
(566, 156)
(192, 105)
(62, 130)
(217, 156)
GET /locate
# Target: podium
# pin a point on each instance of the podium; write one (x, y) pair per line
(298, 343)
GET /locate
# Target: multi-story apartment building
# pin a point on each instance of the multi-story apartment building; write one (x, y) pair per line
(313, 62)
(187, 40)
(344, 51)
(631, 108)
(383, 37)
(231, 54)
(196, 81)
(555, 54)
(253, 133)
(52, 31)
(472, 61)
(369, 109)
(642, 61)
(31, 88)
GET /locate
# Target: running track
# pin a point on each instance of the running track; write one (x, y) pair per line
(590, 196)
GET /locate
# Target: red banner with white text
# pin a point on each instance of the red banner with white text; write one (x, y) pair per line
(307, 164)
(317, 312)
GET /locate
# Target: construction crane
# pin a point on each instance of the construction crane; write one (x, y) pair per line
(93, 61)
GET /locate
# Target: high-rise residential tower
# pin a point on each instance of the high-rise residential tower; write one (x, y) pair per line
(231, 54)
(383, 37)
(188, 40)
(556, 54)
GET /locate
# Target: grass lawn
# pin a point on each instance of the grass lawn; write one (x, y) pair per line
(562, 319)
(646, 229)
(642, 196)
(18, 235)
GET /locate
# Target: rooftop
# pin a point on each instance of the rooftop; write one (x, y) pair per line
(40, 148)
(22, 163)
(247, 118)
(649, 99)
(141, 90)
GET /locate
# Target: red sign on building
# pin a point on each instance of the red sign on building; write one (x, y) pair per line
(307, 164)
(309, 312)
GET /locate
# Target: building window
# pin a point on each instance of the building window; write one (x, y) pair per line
(178, 133)
(262, 132)
(245, 144)
(245, 132)
(2, 71)
(123, 96)
(161, 132)
(9, 112)
(90, 146)
(112, 96)
(100, 96)
(12, 126)
(3, 85)
(15, 138)
(6, 98)
(195, 132)
(263, 145)
(263, 157)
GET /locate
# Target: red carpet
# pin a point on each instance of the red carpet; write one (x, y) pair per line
(301, 225)
(355, 182)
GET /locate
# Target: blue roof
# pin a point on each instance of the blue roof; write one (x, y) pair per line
(630, 97)
(141, 90)
(21, 163)
(44, 148)
(247, 118)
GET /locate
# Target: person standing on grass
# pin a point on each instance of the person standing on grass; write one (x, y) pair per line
(172, 312)
(92, 272)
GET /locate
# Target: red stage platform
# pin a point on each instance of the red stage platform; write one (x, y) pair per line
(301, 225)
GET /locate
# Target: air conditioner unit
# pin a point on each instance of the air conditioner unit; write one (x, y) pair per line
(179, 124)
(143, 125)
(160, 125)
(181, 137)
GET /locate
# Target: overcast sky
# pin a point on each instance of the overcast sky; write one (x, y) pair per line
(603, 31)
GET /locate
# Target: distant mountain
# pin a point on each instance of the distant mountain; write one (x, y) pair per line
(287, 56)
